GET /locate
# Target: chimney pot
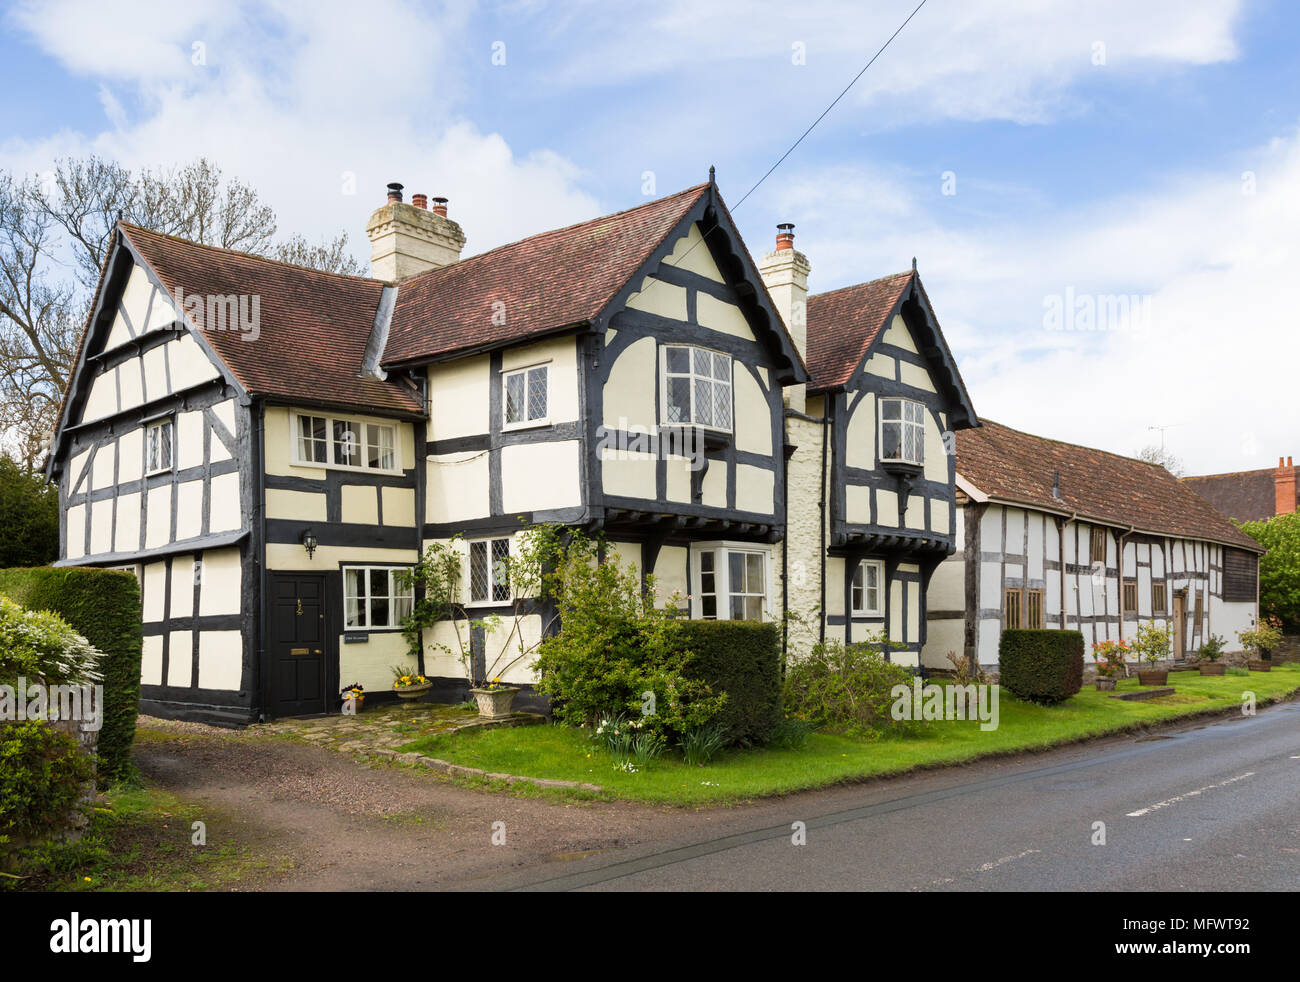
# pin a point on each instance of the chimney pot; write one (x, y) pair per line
(785, 235)
(440, 207)
(420, 200)
(394, 192)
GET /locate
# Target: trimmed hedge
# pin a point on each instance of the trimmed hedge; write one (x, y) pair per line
(1044, 666)
(104, 607)
(742, 659)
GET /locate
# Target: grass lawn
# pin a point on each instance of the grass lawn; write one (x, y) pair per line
(140, 840)
(566, 754)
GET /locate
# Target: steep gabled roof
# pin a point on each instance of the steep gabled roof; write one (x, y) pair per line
(1011, 466)
(842, 325)
(314, 326)
(1247, 496)
(529, 288)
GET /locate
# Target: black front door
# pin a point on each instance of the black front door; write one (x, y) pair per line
(297, 644)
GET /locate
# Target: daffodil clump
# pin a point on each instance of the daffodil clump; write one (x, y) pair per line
(404, 678)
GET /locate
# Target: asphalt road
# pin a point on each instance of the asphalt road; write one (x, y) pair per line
(1209, 807)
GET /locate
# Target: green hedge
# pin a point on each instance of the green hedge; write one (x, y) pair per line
(1041, 665)
(742, 659)
(104, 607)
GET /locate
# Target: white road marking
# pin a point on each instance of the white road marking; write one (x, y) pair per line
(1190, 794)
(1005, 859)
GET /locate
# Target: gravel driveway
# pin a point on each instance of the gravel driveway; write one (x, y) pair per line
(349, 826)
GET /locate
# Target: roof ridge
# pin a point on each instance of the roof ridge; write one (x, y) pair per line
(1078, 446)
(695, 189)
(226, 251)
(1253, 470)
(854, 286)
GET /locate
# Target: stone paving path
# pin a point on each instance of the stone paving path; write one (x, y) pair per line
(382, 729)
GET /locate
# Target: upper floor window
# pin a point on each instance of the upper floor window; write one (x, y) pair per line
(902, 431)
(865, 593)
(158, 445)
(489, 571)
(375, 597)
(346, 443)
(526, 396)
(696, 387)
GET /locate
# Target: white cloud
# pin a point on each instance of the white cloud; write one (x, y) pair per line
(296, 104)
(1216, 363)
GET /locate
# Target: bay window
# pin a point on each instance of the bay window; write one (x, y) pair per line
(730, 582)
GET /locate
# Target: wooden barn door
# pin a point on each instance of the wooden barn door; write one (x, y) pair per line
(297, 644)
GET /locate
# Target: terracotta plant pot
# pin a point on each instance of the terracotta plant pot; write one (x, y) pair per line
(495, 703)
(411, 692)
(1260, 666)
(1214, 668)
(1153, 677)
(1105, 685)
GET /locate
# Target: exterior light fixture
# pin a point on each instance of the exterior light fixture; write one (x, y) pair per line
(309, 542)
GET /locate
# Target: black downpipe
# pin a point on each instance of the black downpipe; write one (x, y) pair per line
(259, 547)
(828, 416)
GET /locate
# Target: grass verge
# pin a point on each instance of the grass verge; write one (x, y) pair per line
(141, 839)
(827, 759)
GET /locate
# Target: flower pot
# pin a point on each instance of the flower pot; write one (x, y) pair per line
(495, 703)
(358, 704)
(411, 692)
(1259, 666)
(1153, 677)
(1214, 668)
(1105, 685)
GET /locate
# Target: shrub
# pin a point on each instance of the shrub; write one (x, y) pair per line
(616, 653)
(1213, 647)
(104, 607)
(1279, 568)
(1153, 643)
(847, 688)
(790, 734)
(1262, 640)
(42, 777)
(743, 660)
(29, 515)
(1043, 666)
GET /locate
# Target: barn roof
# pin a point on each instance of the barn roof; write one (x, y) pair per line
(1020, 468)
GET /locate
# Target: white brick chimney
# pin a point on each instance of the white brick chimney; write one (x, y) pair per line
(785, 273)
(406, 239)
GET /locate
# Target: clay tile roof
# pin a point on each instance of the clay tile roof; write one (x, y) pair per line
(544, 283)
(314, 326)
(1008, 465)
(843, 323)
(1247, 496)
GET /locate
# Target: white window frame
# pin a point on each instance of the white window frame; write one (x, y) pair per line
(904, 424)
(158, 424)
(487, 542)
(862, 610)
(396, 593)
(525, 371)
(664, 375)
(361, 423)
(722, 577)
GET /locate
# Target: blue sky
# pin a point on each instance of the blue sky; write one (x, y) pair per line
(1093, 152)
